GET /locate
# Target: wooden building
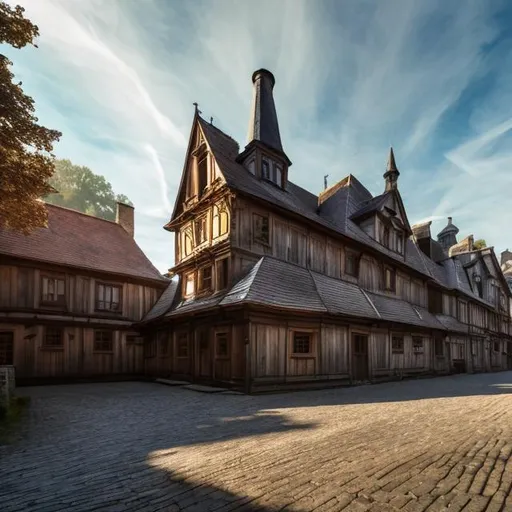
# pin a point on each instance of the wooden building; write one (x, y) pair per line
(275, 286)
(69, 295)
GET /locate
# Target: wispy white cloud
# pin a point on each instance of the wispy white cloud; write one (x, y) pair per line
(352, 78)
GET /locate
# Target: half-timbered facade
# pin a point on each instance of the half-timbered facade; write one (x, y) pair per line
(276, 286)
(69, 295)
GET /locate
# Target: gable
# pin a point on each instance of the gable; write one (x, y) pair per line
(201, 172)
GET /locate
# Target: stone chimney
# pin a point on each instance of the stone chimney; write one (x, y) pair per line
(125, 217)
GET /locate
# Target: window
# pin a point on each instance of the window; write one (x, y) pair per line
(182, 345)
(463, 312)
(202, 175)
(399, 242)
(397, 344)
(260, 229)
(302, 343)
(435, 301)
(496, 346)
(189, 284)
(6, 347)
(201, 229)
(205, 279)
(53, 338)
(417, 344)
(103, 341)
(221, 271)
(52, 290)
(438, 347)
(277, 174)
(188, 242)
(385, 237)
(351, 264)
(265, 169)
(221, 344)
(108, 297)
(390, 279)
(220, 220)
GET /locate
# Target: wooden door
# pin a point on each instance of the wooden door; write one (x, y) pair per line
(6, 347)
(360, 357)
(204, 354)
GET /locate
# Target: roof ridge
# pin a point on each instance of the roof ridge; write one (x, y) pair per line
(81, 213)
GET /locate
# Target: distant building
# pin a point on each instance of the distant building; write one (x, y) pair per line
(69, 295)
(275, 286)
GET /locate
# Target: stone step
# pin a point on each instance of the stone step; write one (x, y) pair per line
(170, 382)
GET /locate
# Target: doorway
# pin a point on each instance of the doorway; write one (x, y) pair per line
(204, 354)
(360, 357)
(6, 347)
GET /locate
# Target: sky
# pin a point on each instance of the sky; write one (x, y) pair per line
(353, 77)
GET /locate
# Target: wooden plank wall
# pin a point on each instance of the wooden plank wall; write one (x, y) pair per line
(77, 356)
(20, 288)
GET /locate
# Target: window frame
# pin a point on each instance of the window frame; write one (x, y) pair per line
(53, 346)
(57, 278)
(201, 288)
(392, 274)
(265, 166)
(227, 339)
(110, 341)
(349, 254)
(219, 264)
(106, 284)
(202, 157)
(401, 348)
(186, 275)
(201, 228)
(418, 348)
(257, 237)
(311, 341)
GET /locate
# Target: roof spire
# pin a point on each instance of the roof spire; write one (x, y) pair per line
(392, 173)
(263, 124)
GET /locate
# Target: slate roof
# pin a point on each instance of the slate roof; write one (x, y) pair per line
(373, 205)
(276, 283)
(335, 213)
(165, 302)
(452, 324)
(75, 239)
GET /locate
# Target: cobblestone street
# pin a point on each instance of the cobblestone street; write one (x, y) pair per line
(432, 444)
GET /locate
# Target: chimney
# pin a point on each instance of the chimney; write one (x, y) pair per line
(448, 236)
(125, 217)
(506, 255)
(421, 233)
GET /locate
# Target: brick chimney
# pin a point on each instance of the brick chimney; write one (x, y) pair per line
(125, 217)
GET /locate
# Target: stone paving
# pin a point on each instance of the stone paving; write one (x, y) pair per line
(432, 444)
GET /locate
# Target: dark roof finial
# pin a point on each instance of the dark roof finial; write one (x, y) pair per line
(325, 181)
(196, 105)
(392, 173)
(391, 161)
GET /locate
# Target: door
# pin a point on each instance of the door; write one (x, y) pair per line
(509, 356)
(360, 357)
(204, 353)
(6, 347)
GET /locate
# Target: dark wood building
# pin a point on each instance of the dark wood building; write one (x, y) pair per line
(69, 295)
(274, 286)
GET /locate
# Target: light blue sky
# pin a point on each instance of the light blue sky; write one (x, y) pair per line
(431, 78)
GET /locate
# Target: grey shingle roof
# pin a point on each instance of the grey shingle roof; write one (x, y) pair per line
(164, 303)
(452, 324)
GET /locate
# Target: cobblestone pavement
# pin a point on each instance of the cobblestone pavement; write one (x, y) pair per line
(432, 444)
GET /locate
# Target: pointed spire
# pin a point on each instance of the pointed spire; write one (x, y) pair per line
(263, 125)
(392, 173)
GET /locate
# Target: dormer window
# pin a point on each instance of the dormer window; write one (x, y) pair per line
(265, 169)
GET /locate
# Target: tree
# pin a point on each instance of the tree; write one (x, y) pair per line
(26, 162)
(480, 244)
(79, 188)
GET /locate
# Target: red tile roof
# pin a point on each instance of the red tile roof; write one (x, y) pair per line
(75, 239)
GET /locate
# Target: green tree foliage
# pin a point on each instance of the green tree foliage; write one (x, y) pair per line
(480, 244)
(79, 188)
(26, 162)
